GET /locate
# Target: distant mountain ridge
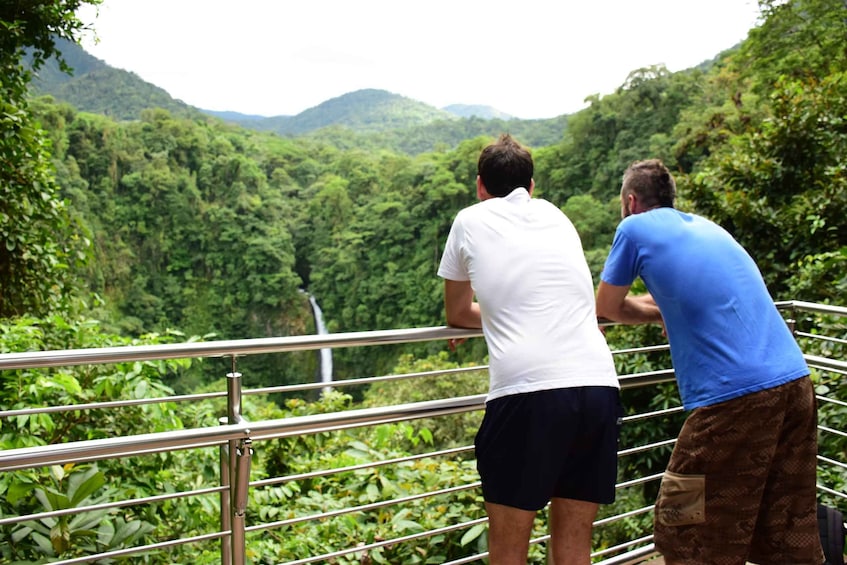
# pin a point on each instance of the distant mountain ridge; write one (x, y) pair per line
(363, 111)
(97, 88)
(458, 110)
(379, 117)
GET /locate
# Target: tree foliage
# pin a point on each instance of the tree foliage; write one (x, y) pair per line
(39, 242)
(778, 183)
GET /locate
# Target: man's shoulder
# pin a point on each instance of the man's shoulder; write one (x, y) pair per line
(654, 216)
(469, 211)
(543, 203)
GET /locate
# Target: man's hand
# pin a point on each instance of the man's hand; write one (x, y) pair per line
(454, 342)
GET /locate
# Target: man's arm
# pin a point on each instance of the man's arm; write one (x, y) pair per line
(461, 310)
(616, 304)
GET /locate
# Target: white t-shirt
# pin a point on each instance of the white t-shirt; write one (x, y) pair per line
(526, 265)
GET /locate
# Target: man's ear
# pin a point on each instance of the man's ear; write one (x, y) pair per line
(632, 203)
(481, 192)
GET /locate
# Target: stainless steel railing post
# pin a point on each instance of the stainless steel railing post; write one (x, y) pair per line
(792, 320)
(226, 512)
(239, 504)
(234, 448)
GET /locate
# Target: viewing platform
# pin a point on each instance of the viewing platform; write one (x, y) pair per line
(249, 512)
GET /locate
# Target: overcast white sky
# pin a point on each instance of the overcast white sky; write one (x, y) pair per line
(528, 58)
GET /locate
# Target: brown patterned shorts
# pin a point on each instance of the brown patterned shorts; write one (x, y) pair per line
(740, 484)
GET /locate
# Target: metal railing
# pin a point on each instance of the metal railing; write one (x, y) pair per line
(235, 438)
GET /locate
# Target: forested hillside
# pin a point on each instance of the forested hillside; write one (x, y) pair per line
(173, 224)
(94, 86)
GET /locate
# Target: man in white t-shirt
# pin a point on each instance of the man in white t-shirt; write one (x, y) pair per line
(552, 417)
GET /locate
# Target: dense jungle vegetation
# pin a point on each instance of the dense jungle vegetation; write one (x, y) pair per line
(178, 226)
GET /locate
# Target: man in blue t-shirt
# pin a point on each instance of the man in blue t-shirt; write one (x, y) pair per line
(740, 484)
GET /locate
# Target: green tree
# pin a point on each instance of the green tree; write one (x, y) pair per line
(797, 40)
(39, 242)
(781, 190)
(635, 122)
(774, 171)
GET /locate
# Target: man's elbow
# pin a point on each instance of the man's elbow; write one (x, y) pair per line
(604, 311)
(611, 302)
(456, 320)
(462, 318)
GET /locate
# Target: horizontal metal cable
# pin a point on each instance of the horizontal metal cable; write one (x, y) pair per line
(832, 431)
(827, 368)
(361, 508)
(647, 349)
(630, 556)
(111, 505)
(646, 415)
(358, 381)
(826, 362)
(645, 447)
(622, 515)
(641, 480)
(646, 378)
(831, 400)
(832, 461)
(223, 394)
(110, 404)
(469, 559)
(828, 490)
(142, 548)
(621, 547)
(384, 543)
(369, 465)
(819, 337)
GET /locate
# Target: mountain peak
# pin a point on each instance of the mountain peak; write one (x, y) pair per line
(367, 110)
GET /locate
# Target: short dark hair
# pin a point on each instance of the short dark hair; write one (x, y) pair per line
(652, 182)
(504, 166)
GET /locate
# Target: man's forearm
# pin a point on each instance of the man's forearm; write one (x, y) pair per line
(617, 304)
(461, 309)
(640, 309)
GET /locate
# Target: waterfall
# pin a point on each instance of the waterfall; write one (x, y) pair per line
(325, 352)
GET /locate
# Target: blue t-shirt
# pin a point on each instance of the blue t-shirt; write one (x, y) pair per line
(726, 336)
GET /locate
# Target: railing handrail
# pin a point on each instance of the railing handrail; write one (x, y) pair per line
(223, 348)
(825, 363)
(811, 307)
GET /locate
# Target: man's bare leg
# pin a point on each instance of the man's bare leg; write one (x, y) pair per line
(509, 529)
(571, 523)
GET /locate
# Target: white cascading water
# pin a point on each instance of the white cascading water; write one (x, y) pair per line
(325, 352)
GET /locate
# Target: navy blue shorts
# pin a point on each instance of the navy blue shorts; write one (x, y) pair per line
(552, 443)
